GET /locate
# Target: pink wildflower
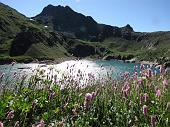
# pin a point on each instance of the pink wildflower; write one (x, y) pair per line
(41, 124)
(61, 124)
(51, 96)
(16, 124)
(94, 94)
(1, 124)
(146, 96)
(34, 103)
(162, 69)
(165, 83)
(10, 115)
(74, 112)
(136, 73)
(145, 110)
(126, 89)
(142, 66)
(88, 99)
(153, 121)
(140, 81)
(149, 73)
(141, 98)
(158, 92)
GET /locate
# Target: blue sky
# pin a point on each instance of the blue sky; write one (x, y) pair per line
(142, 15)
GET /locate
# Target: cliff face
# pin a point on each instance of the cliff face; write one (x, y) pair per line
(64, 19)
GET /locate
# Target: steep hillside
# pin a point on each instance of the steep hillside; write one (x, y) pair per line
(20, 36)
(64, 19)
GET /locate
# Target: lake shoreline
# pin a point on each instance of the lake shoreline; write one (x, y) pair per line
(63, 59)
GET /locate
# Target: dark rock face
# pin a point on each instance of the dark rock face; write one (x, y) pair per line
(83, 50)
(25, 39)
(126, 32)
(66, 20)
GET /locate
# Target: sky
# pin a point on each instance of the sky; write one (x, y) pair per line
(142, 15)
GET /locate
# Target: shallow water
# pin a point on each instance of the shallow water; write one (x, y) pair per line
(75, 68)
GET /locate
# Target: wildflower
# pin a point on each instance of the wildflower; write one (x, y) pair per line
(89, 97)
(149, 73)
(142, 66)
(146, 96)
(126, 89)
(145, 110)
(141, 98)
(61, 124)
(135, 77)
(135, 68)
(162, 69)
(168, 106)
(41, 124)
(153, 121)
(158, 92)
(130, 103)
(13, 63)
(16, 124)
(52, 94)
(1, 124)
(167, 121)
(165, 83)
(74, 112)
(94, 94)
(136, 87)
(136, 73)
(10, 115)
(140, 81)
(34, 103)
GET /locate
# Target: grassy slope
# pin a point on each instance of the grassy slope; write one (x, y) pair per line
(12, 22)
(41, 50)
(142, 50)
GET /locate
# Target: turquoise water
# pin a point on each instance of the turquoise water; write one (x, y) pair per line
(120, 67)
(99, 68)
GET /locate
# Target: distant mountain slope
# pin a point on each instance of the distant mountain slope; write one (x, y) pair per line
(19, 35)
(66, 20)
(123, 39)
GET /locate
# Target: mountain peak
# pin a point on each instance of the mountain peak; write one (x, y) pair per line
(51, 10)
(64, 19)
(128, 28)
(58, 7)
